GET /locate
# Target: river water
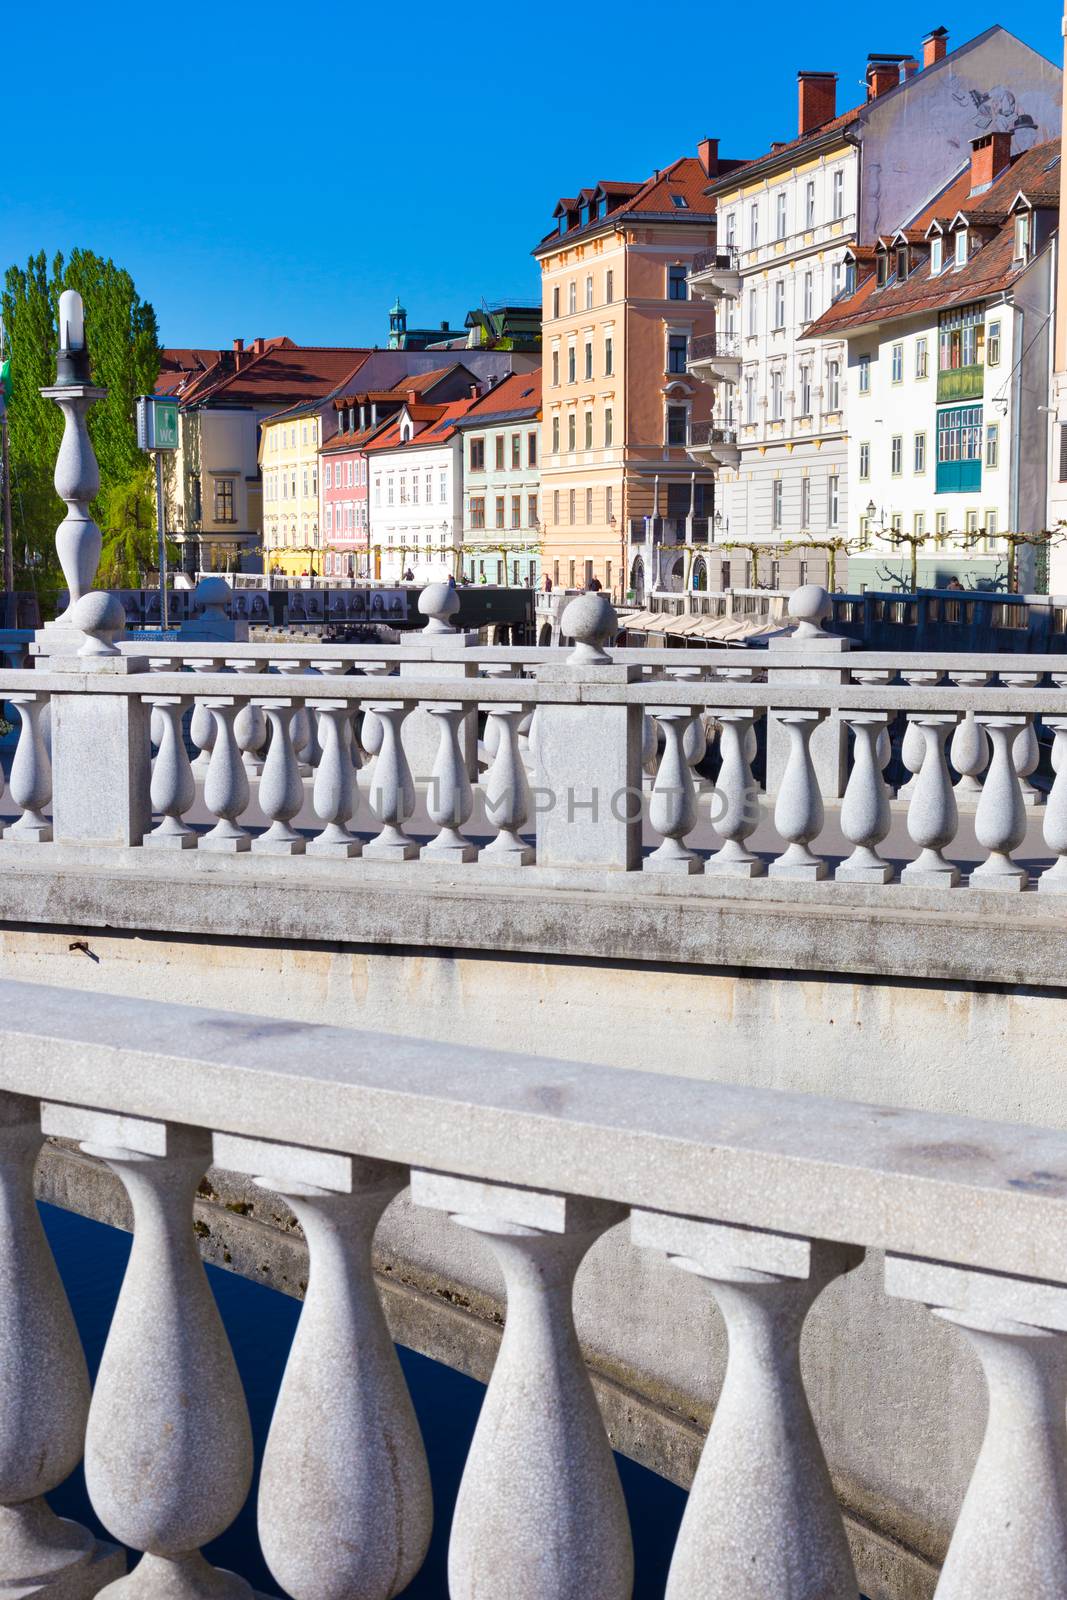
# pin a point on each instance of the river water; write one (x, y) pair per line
(260, 1323)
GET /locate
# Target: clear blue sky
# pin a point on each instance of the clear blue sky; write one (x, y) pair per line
(297, 167)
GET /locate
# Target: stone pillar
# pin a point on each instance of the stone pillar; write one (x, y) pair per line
(1011, 1536)
(808, 607)
(540, 1513)
(588, 796)
(422, 734)
(101, 756)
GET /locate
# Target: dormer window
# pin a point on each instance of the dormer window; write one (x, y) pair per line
(882, 268)
(1022, 236)
(583, 213)
(563, 223)
(602, 206)
(961, 247)
(902, 262)
(679, 202)
(936, 244)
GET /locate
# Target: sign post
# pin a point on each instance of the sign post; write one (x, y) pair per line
(157, 431)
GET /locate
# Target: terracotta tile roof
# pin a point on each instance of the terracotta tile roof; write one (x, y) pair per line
(517, 395)
(287, 378)
(990, 269)
(438, 426)
(685, 177)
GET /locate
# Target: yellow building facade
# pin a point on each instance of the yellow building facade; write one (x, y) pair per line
(619, 406)
(289, 464)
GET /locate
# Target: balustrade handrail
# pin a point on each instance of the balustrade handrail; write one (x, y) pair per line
(915, 1182)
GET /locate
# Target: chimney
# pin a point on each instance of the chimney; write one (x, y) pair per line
(882, 75)
(817, 100)
(238, 352)
(909, 68)
(708, 156)
(258, 345)
(445, 327)
(935, 46)
(990, 156)
(475, 391)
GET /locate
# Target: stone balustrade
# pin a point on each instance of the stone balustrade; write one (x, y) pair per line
(557, 781)
(767, 1197)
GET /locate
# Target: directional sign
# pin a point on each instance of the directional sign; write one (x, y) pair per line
(157, 423)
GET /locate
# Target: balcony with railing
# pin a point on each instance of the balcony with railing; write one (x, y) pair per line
(716, 446)
(961, 383)
(716, 274)
(715, 357)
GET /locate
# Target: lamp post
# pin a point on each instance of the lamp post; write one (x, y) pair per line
(77, 476)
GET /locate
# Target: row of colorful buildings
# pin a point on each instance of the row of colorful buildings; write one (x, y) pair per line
(836, 358)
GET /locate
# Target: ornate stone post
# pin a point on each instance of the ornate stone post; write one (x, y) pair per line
(505, 789)
(736, 795)
(798, 811)
(865, 818)
(672, 809)
(173, 785)
(281, 791)
(932, 815)
(540, 1513)
(1000, 821)
(77, 476)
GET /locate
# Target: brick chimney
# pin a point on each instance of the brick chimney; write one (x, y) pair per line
(258, 346)
(816, 100)
(909, 68)
(238, 352)
(990, 156)
(882, 75)
(935, 46)
(708, 156)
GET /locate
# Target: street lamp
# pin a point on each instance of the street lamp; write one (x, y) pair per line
(77, 476)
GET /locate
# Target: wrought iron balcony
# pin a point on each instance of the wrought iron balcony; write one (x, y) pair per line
(717, 445)
(715, 273)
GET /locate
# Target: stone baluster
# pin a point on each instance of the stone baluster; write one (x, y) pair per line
(335, 793)
(672, 806)
(1026, 752)
(1000, 820)
(735, 808)
(281, 791)
(392, 792)
(44, 1388)
(540, 1513)
(762, 1520)
(302, 733)
(932, 815)
(1010, 1539)
(202, 723)
(505, 789)
(250, 724)
(695, 739)
(226, 784)
(494, 671)
(345, 1505)
(798, 810)
(913, 748)
(173, 787)
(865, 817)
(449, 800)
(369, 729)
(969, 747)
(168, 1447)
(31, 774)
(1054, 879)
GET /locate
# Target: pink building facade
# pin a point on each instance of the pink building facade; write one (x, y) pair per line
(343, 490)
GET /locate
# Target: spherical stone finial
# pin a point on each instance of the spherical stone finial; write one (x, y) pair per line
(212, 597)
(101, 617)
(808, 607)
(437, 603)
(590, 620)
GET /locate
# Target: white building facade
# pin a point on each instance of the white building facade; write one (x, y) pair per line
(501, 491)
(779, 441)
(416, 499)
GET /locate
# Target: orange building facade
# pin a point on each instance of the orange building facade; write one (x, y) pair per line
(622, 500)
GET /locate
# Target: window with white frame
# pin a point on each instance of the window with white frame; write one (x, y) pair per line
(897, 364)
(833, 386)
(839, 193)
(961, 247)
(809, 203)
(936, 247)
(865, 460)
(779, 303)
(833, 500)
(780, 214)
(326, 476)
(805, 502)
(809, 296)
(1022, 235)
(922, 356)
(572, 297)
(776, 503)
(992, 444)
(731, 229)
(753, 225)
(837, 279)
(750, 399)
(896, 454)
(589, 292)
(863, 373)
(918, 524)
(805, 391)
(753, 312)
(992, 345)
(776, 396)
(919, 452)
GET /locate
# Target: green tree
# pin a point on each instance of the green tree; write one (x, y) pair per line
(128, 524)
(123, 340)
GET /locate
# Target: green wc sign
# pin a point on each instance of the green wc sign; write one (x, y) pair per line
(157, 423)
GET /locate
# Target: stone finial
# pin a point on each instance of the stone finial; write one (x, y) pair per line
(590, 620)
(438, 602)
(808, 607)
(212, 597)
(101, 617)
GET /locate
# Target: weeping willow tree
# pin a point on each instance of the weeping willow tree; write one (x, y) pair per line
(127, 522)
